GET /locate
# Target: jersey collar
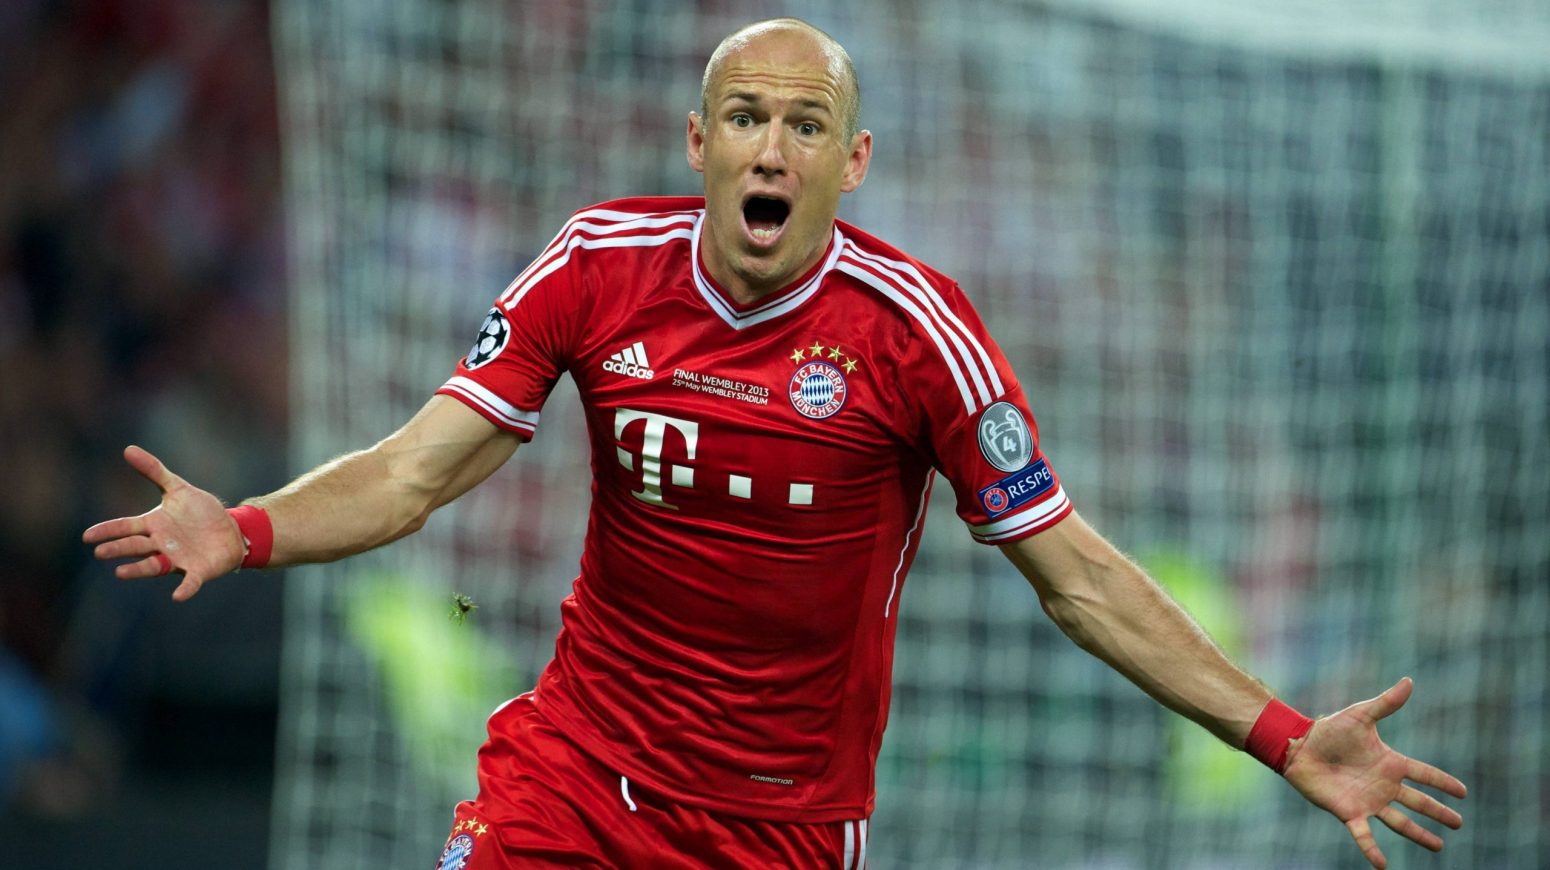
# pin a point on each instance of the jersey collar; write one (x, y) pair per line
(781, 302)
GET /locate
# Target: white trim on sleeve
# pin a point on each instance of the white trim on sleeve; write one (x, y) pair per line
(1022, 521)
(484, 399)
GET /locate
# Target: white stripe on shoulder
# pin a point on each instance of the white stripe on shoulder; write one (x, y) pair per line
(1022, 521)
(587, 220)
(608, 214)
(922, 290)
(864, 272)
(481, 396)
(511, 297)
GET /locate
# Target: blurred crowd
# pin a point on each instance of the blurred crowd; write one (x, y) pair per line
(141, 301)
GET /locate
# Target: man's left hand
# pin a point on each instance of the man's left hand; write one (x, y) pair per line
(1342, 766)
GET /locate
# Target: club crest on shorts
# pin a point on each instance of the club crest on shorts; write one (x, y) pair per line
(817, 390)
(1005, 439)
(493, 334)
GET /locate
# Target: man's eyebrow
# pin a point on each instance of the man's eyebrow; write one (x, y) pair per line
(753, 99)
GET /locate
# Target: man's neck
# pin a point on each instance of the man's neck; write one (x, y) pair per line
(744, 289)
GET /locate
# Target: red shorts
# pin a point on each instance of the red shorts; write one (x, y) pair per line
(544, 803)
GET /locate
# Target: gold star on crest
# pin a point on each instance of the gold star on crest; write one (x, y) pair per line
(816, 350)
(850, 365)
(481, 830)
(834, 352)
(796, 355)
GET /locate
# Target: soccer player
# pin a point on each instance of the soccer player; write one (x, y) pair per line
(769, 394)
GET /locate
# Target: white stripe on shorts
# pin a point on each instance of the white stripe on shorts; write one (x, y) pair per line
(855, 845)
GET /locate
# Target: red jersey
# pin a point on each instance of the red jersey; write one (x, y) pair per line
(760, 477)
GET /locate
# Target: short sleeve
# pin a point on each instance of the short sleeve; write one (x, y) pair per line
(523, 345)
(978, 428)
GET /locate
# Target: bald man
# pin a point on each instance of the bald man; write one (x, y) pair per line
(769, 395)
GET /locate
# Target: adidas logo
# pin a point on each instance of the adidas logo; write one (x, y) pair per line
(630, 362)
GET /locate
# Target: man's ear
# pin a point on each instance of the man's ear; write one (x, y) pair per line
(696, 142)
(860, 159)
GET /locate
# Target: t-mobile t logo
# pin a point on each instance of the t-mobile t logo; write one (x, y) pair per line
(651, 464)
(651, 452)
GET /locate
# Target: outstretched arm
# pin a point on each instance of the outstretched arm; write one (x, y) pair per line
(1109, 607)
(351, 504)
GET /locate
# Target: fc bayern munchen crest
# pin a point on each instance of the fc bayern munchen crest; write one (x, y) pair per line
(457, 853)
(1005, 439)
(817, 390)
(491, 340)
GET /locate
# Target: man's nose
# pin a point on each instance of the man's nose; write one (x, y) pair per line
(772, 156)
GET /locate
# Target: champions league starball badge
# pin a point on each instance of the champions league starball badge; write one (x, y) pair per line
(491, 341)
(1005, 439)
(455, 856)
(817, 390)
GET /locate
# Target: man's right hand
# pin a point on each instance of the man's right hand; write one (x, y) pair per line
(190, 528)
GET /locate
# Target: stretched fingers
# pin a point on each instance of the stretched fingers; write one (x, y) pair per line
(1430, 807)
(1406, 827)
(154, 565)
(1425, 774)
(122, 527)
(125, 548)
(190, 586)
(151, 468)
(1391, 700)
(157, 565)
(1361, 832)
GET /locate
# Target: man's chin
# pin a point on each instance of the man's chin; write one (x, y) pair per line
(766, 269)
(761, 270)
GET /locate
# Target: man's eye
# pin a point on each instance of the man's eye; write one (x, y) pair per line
(742, 121)
(808, 128)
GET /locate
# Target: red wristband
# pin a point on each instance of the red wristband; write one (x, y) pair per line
(1277, 724)
(257, 533)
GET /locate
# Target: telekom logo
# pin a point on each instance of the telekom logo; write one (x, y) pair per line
(651, 452)
(652, 466)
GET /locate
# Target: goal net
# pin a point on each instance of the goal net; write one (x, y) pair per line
(1275, 276)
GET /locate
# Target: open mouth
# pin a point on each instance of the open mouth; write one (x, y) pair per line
(765, 216)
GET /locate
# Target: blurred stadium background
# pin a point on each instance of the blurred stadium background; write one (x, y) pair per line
(1276, 277)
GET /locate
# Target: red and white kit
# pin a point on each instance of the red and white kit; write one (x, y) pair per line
(760, 476)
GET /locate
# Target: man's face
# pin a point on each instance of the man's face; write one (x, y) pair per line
(775, 155)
